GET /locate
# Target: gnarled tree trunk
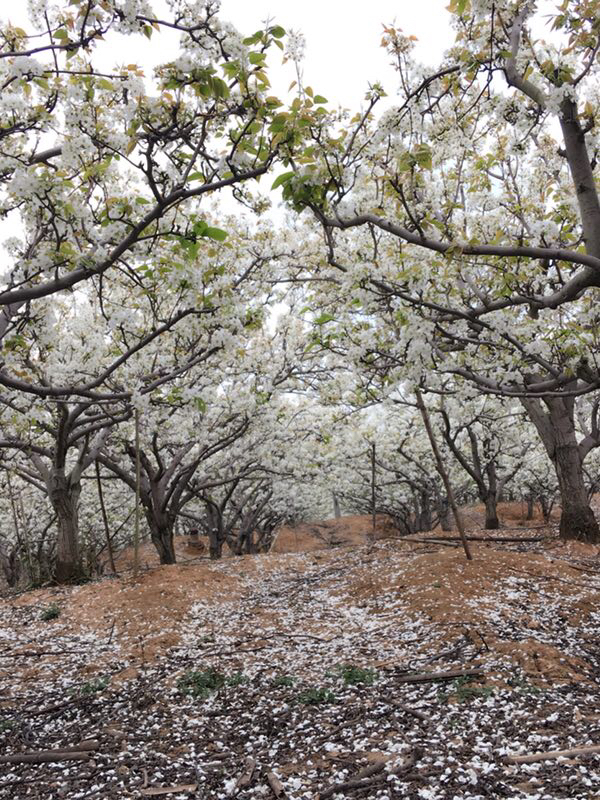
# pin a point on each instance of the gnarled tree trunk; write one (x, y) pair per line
(556, 427)
(162, 528)
(491, 511)
(65, 502)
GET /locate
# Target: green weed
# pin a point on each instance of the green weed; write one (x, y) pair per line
(53, 611)
(316, 697)
(355, 675)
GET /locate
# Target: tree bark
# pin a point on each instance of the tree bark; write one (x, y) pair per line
(556, 427)
(161, 532)
(577, 520)
(65, 501)
(215, 544)
(337, 513)
(530, 506)
(491, 511)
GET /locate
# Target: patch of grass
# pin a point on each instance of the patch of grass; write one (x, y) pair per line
(200, 683)
(94, 686)
(355, 675)
(284, 680)
(316, 696)
(237, 679)
(53, 611)
(462, 690)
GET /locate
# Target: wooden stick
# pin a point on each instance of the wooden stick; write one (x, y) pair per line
(275, 784)
(552, 754)
(45, 756)
(366, 778)
(111, 556)
(138, 480)
(373, 491)
(444, 475)
(412, 711)
(362, 779)
(245, 778)
(424, 677)
(475, 538)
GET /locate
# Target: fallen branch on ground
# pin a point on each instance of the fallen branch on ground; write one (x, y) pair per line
(552, 754)
(366, 778)
(46, 756)
(422, 677)
(275, 784)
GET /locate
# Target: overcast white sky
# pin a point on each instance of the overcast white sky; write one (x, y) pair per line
(343, 54)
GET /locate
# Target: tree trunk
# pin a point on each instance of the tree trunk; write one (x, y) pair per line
(161, 531)
(530, 506)
(215, 544)
(425, 515)
(491, 512)
(337, 513)
(65, 502)
(444, 514)
(556, 427)
(577, 520)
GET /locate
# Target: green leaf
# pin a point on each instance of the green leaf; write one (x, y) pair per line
(324, 318)
(423, 156)
(277, 31)
(281, 179)
(256, 58)
(215, 233)
(250, 40)
(319, 99)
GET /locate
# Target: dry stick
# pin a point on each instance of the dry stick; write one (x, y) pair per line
(474, 538)
(424, 677)
(76, 753)
(275, 784)
(373, 490)
(412, 711)
(245, 778)
(444, 475)
(366, 778)
(552, 754)
(111, 557)
(138, 478)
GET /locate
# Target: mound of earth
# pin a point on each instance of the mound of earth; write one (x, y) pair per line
(388, 669)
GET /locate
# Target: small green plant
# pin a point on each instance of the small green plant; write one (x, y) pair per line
(237, 679)
(200, 683)
(521, 685)
(354, 675)
(316, 697)
(94, 686)
(51, 612)
(437, 585)
(284, 680)
(6, 725)
(462, 690)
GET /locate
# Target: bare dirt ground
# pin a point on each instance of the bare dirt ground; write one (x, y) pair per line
(332, 667)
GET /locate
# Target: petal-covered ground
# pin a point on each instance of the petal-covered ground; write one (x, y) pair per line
(316, 673)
